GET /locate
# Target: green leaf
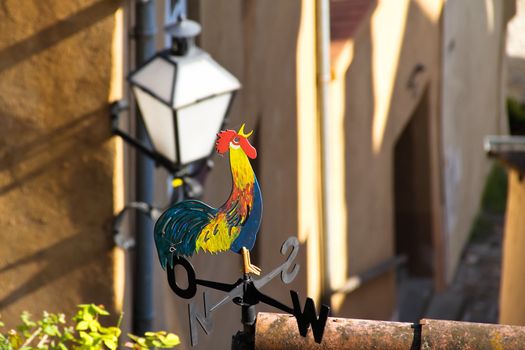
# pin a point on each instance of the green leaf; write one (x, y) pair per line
(15, 340)
(172, 340)
(85, 338)
(110, 343)
(133, 337)
(83, 316)
(155, 334)
(82, 326)
(94, 325)
(52, 333)
(110, 331)
(51, 330)
(26, 319)
(142, 342)
(99, 310)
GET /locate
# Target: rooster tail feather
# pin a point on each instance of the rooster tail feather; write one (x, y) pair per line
(178, 228)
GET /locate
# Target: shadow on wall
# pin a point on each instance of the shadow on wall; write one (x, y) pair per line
(56, 164)
(51, 261)
(26, 160)
(67, 164)
(54, 34)
(383, 91)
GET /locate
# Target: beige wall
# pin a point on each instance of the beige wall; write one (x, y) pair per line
(56, 160)
(473, 39)
(374, 106)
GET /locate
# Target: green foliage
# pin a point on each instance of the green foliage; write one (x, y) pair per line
(153, 340)
(494, 198)
(52, 333)
(516, 115)
(515, 110)
(493, 201)
(481, 228)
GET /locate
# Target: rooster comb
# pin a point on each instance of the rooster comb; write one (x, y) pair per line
(241, 132)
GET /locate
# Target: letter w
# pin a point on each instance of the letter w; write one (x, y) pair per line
(309, 316)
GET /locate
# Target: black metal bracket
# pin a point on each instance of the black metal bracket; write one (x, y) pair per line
(122, 240)
(193, 174)
(116, 109)
(245, 293)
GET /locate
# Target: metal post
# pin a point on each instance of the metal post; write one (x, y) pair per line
(323, 81)
(244, 340)
(145, 29)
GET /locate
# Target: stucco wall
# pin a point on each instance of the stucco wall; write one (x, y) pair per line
(56, 160)
(473, 39)
(376, 104)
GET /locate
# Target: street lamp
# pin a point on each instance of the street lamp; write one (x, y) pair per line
(183, 96)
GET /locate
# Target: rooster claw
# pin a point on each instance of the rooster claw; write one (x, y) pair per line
(248, 267)
(254, 269)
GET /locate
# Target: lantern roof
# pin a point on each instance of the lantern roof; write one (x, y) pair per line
(179, 81)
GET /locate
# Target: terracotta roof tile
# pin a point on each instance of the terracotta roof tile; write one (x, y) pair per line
(345, 17)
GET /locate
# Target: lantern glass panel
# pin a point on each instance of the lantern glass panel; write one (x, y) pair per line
(198, 126)
(157, 77)
(200, 77)
(158, 119)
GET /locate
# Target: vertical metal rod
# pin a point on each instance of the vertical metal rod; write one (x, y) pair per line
(145, 29)
(323, 95)
(171, 14)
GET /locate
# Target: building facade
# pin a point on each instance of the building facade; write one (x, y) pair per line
(414, 87)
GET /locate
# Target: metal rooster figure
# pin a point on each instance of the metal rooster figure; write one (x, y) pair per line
(191, 226)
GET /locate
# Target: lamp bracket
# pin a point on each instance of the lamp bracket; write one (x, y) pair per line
(116, 109)
(126, 241)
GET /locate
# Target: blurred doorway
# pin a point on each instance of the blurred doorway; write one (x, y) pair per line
(413, 216)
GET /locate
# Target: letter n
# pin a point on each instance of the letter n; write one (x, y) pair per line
(204, 320)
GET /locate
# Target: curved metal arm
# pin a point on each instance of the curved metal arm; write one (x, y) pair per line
(116, 109)
(122, 240)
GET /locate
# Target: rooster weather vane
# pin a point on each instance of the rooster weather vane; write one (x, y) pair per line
(191, 226)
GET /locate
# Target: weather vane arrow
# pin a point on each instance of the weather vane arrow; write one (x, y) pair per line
(245, 292)
(190, 226)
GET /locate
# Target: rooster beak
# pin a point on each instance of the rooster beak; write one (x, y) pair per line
(241, 132)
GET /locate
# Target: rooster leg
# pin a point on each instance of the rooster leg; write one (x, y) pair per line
(247, 265)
